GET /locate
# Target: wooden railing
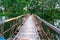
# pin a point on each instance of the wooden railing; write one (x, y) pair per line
(51, 30)
(49, 25)
(13, 18)
(15, 23)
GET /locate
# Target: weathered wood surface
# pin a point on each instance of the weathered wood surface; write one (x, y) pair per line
(13, 18)
(28, 31)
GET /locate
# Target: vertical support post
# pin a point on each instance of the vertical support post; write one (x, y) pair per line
(48, 32)
(12, 30)
(2, 29)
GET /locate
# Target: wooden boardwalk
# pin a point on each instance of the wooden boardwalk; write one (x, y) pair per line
(31, 28)
(28, 31)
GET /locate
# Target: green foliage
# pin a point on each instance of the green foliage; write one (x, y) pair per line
(43, 8)
(13, 7)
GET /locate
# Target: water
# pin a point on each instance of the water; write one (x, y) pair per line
(2, 38)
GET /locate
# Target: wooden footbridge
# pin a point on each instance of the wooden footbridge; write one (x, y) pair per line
(29, 27)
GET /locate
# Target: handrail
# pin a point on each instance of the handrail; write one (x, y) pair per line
(13, 25)
(13, 18)
(50, 25)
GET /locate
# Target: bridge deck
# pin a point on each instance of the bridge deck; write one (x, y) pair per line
(28, 31)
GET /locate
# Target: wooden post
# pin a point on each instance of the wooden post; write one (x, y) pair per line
(12, 30)
(2, 29)
(13, 27)
(48, 32)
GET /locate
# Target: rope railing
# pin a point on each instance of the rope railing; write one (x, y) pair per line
(50, 25)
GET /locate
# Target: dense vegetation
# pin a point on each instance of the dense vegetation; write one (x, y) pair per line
(46, 9)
